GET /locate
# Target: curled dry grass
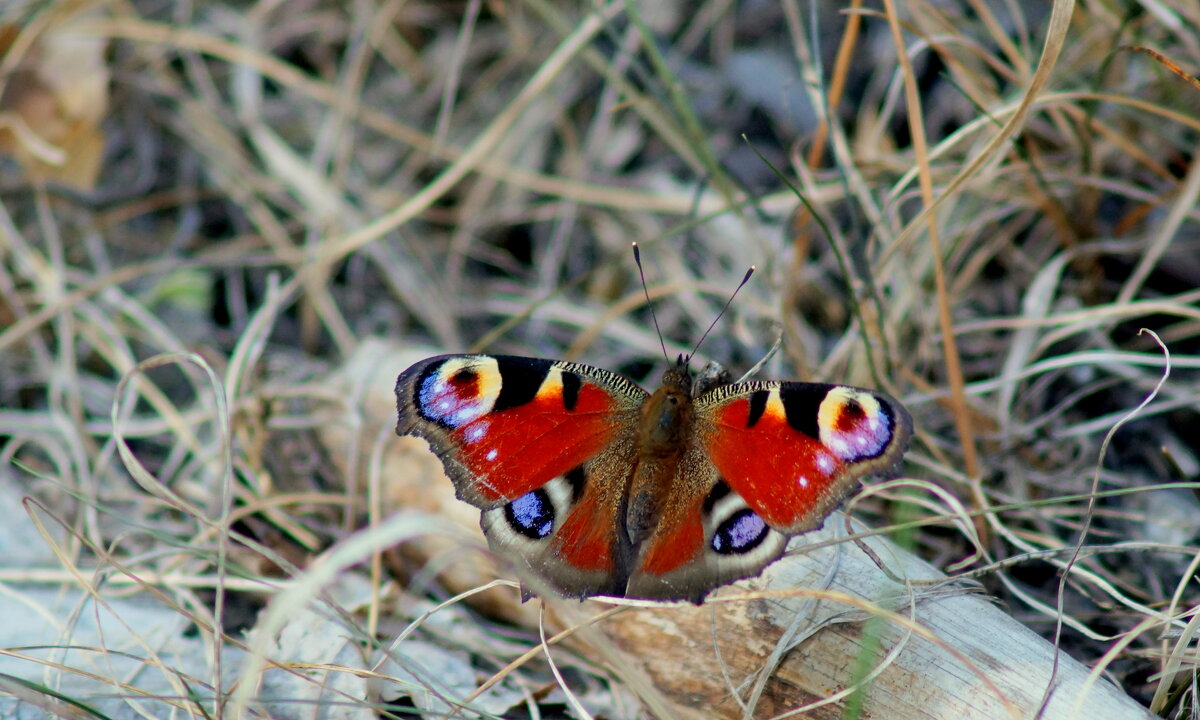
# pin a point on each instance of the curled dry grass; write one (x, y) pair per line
(991, 219)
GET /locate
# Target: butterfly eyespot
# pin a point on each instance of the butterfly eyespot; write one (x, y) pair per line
(853, 424)
(740, 533)
(851, 413)
(531, 515)
(454, 395)
(466, 379)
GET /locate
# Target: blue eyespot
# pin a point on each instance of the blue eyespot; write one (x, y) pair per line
(531, 515)
(740, 533)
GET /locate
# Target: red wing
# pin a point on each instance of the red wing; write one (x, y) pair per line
(565, 534)
(504, 426)
(707, 536)
(792, 451)
(678, 541)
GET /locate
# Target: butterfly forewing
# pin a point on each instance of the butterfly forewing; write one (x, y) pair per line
(792, 451)
(504, 426)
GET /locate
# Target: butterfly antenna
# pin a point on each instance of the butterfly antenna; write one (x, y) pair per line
(721, 314)
(637, 258)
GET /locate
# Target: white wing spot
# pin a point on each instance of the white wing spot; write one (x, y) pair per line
(491, 454)
(803, 481)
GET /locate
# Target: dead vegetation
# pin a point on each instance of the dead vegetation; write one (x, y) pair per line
(205, 209)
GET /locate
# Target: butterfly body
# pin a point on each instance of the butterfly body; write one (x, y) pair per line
(593, 486)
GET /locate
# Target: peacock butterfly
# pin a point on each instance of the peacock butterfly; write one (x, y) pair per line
(597, 487)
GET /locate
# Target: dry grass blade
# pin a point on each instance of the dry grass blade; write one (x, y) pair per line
(1088, 514)
(47, 700)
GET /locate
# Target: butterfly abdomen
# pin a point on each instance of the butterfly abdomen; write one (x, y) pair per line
(662, 440)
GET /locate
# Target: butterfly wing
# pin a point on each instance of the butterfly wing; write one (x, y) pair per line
(794, 450)
(705, 538)
(545, 448)
(767, 460)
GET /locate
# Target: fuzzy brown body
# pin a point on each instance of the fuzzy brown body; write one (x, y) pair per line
(591, 486)
(664, 431)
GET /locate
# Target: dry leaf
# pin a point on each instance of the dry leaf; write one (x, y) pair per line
(54, 100)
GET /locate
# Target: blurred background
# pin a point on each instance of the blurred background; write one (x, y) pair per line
(997, 198)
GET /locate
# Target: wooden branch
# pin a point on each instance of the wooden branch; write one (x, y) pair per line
(811, 624)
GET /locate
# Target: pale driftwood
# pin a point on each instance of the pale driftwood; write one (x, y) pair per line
(961, 657)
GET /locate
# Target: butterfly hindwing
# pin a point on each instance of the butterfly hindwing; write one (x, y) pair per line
(565, 533)
(708, 538)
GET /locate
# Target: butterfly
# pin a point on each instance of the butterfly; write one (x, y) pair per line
(594, 486)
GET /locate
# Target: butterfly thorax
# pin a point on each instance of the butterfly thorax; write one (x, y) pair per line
(666, 425)
(667, 416)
